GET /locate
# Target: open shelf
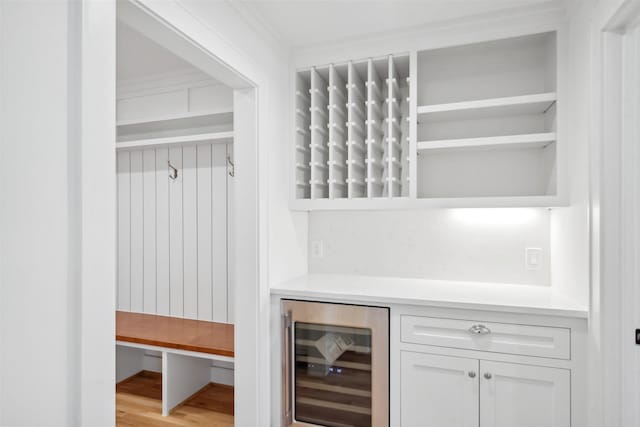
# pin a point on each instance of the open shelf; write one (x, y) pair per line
(213, 137)
(493, 107)
(536, 140)
(190, 123)
(190, 119)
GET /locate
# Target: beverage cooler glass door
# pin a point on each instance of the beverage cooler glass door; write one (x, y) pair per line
(336, 365)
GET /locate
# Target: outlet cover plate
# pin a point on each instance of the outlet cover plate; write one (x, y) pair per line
(533, 258)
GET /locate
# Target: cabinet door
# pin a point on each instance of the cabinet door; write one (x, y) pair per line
(524, 396)
(438, 391)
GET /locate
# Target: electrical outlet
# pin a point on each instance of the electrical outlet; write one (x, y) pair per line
(317, 249)
(532, 258)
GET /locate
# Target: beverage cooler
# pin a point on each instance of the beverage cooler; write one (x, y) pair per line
(335, 365)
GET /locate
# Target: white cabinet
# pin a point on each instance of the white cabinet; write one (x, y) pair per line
(523, 396)
(440, 389)
(463, 392)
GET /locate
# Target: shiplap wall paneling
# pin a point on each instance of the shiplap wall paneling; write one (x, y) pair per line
(137, 232)
(176, 242)
(205, 232)
(220, 185)
(230, 239)
(190, 232)
(172, 237)
(149, 270)
(163, 255)
(124, 230)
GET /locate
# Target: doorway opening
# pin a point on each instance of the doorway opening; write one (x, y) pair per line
(185, 127)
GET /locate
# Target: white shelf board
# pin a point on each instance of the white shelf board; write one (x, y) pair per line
(483, 108)
(214, 137)
(196, 116)
(510, 141)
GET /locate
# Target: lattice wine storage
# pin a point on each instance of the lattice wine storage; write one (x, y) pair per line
(352, 130)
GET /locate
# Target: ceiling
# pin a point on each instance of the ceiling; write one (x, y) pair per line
(298, 23)
(139, 57)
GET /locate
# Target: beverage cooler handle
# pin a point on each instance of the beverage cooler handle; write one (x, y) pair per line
(287, 339)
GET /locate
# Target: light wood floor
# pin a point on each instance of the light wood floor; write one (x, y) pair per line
(139, 404)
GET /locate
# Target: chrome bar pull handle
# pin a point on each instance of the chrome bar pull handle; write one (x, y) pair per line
(287, 369)
(479, 329)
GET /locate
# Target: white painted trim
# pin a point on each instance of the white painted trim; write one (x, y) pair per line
(97, 161)
(252, 352)
(498, 25)
(491, 19)
(251, 330)
(610, 232)
(615, 387)
(168, 23)
(630, 224)
(263, 27)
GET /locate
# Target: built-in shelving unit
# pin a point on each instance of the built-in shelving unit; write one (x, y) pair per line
(465, 125)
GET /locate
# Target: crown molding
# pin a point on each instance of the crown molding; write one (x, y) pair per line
(515, 12)
(539, 17)
(267, 32)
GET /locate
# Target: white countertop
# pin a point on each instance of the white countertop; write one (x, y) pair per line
(522, 299)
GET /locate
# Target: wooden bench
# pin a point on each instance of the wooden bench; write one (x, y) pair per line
(187, 348)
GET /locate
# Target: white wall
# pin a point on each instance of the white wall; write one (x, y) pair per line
(39, 288)
(482, 245)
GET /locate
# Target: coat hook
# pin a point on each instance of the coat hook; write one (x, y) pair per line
(173, 172)
(231, 167)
